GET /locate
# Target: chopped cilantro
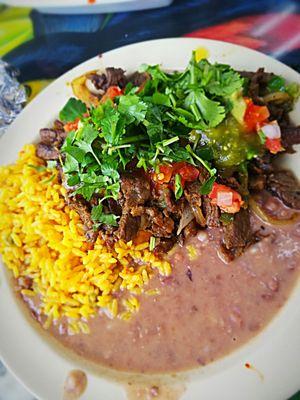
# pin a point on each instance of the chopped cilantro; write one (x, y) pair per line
(152, 243)
(226, 218)
(178, 187)
(165, 121)
(276, 84)
(262, 137)
(107, 219)
(48, 180)
(207, 185)
(38, 168)
(73, 109)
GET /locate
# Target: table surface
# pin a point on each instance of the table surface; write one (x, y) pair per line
(37, 44)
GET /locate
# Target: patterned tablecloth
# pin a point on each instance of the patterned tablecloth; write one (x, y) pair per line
(43, 46)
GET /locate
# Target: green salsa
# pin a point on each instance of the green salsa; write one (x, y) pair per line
(232, 144)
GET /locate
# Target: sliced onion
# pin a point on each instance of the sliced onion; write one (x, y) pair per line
(224, 198)
(261, 213)
(92, 88)
(186, 218)
(271, 130)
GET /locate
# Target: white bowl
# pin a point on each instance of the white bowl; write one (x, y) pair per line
(275, 352)
(86, 7)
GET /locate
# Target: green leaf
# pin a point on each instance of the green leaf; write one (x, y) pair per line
(86, 191)
(207, 185)
(276, 84)
(293, 89)
(70, 164)
(88, 133)
(73, 109)
(262, 137)
(109, 167)
(38, 168)
(77, 153)
(155, 71)
(52, 177)
(152, 243)
(107, 219)
(205, 153)
(226, 81)
(178, 187)
(154, 124)
(133, 108)
(97, 212)
(161, 99)
(212, 171)
(204, 109)
(111, 132)
(73, 180)
(226, 218)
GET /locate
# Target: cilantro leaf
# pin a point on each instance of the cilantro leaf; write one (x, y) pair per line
(276, 84)
(161, 99)
(225, 82)
(226, 218)
(133, 108)
(70, 164)
(178, 187)
(107, 219)
(88, 133)
(97, 212)
(86, 191)
(152, 243)
(73, 180)
(112, 129)
(73, 109)
(77, 153)
(262, 137)
(207, 185)
(209, 111)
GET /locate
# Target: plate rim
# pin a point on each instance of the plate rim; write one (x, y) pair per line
(61, 79)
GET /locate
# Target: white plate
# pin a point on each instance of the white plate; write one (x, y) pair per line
(275, 352)
(86, 7)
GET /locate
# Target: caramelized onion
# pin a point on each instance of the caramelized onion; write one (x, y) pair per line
(264, 216)
(186, 218)
(279, 97)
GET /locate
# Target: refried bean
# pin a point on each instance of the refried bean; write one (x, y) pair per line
(193, 322)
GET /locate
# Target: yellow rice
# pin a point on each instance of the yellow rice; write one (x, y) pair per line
(41, 238)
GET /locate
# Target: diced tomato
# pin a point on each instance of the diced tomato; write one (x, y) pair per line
(227, 199)
(167, 173)
(164, 174)
(111, 93)
(274, 145)
(71, 126)
(188, 172)
(255, 115)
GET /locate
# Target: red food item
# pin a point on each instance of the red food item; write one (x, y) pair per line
(255, 115)
(111, 93)
(71, 126)
(274, 145)
(188, 172)
(167, 172)
(226, 198)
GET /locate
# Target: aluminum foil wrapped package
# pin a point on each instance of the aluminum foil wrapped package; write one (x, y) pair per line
(12, 96)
